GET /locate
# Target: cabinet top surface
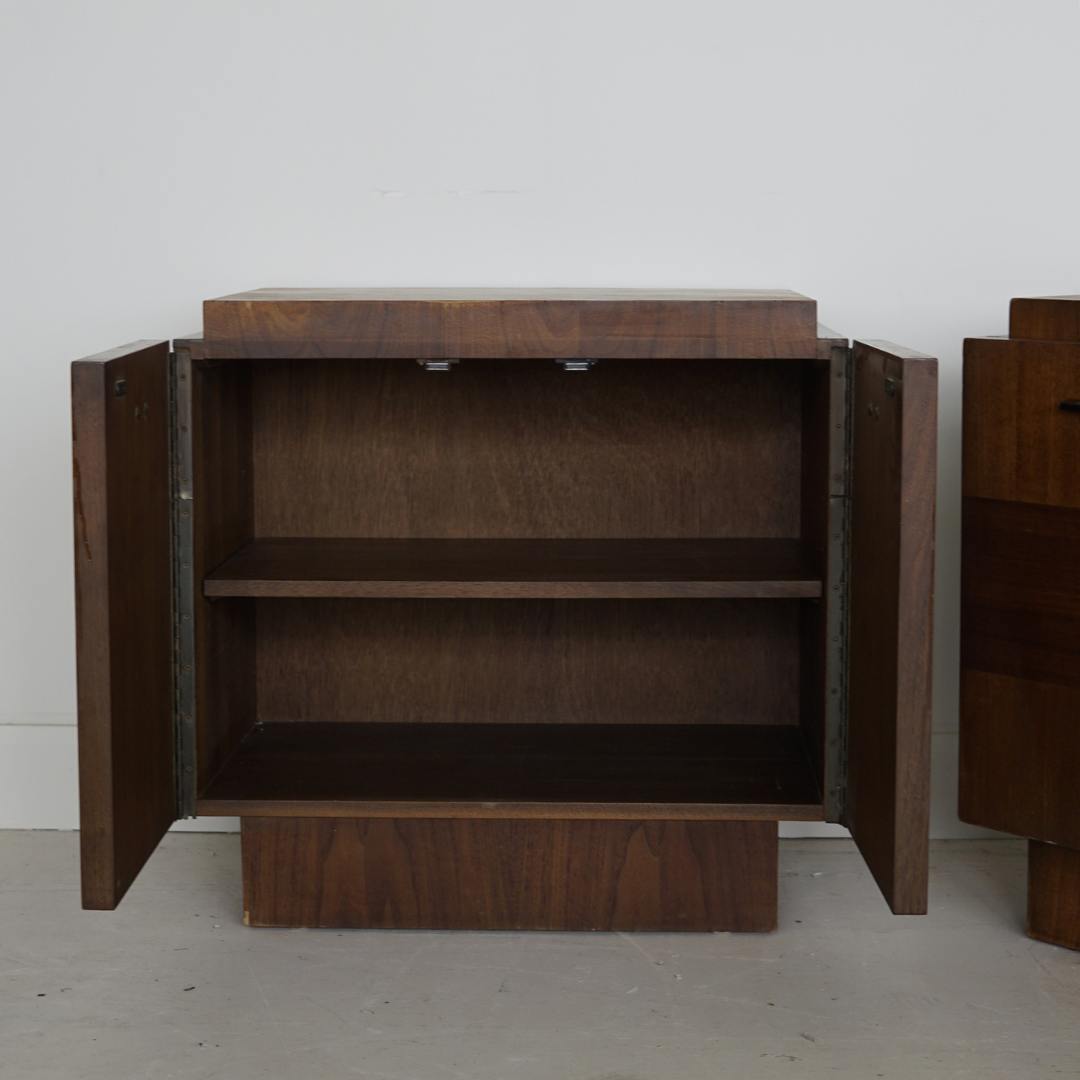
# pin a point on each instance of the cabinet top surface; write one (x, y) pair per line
(1045, 318)
(489, 296)
(508, 323)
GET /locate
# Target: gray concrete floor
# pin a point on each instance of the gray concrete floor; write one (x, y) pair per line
(174, 985)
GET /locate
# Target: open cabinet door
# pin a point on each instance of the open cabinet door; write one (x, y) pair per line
(893, 474)
(124, 640)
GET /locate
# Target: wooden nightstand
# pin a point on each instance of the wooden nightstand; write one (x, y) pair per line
(1020, 587)
(506, 608)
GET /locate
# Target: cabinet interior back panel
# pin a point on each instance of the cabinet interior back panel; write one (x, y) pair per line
(522, 448)
(529, 661)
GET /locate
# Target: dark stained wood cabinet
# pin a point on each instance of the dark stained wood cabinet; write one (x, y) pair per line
(1020, 587)
(506, 609)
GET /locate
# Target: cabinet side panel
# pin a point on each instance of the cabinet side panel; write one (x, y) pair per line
(418, 873)
(1019, 444)
(1020, 756)
(124, 633)
(223, 507)
(822, 510)
(1020, 589)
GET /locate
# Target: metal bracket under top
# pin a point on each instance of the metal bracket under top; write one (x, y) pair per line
(183, 585)
(567, 365)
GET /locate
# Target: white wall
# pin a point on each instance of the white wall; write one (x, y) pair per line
(910, 165)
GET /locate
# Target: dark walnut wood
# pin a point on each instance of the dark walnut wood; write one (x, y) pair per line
(1045, 318)
(518, 770)
(1019, 445)
(508, 323)
(1020, 581)
(508, 645)
(524, 450)
(827, 339)
(822, 513)
(1053, 913)
(538, 661)
(123, 598)
(894, 406)
(1019, 756)
(1020, 591)
(1020, 669)
(510, 875)
(223, 520)
(310, 567)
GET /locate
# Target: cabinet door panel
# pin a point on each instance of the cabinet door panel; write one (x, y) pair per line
(894, 461)
(123, 530)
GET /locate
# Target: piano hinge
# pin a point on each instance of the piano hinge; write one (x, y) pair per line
(183, 583)
(844, 614)
(836, 591)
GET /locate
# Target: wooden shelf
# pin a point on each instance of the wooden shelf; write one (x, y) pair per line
(624, 771)
(305, 567)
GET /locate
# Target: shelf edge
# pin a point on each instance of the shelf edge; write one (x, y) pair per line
(211, 807)
(216, 588)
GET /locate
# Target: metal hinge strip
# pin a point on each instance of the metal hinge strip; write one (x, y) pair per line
(844, 613)
(184, 585)
(836, 711)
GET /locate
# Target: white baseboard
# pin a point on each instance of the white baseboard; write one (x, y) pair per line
(39, 787)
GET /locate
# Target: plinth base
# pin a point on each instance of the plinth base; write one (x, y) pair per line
(518, 874)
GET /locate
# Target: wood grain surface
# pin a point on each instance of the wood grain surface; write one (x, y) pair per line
(827, 339)
(222, 506)
(509, 323)
(1020, 595)
(321, 567)
(537, 661)
(1020, 756)
(824, 486)
(510, 875)
(1045, 318)
(516, 770)
(1020, 591)
(1018, 444)
(525, 450)
(123, 614)
(1053, 912)
(894, 455)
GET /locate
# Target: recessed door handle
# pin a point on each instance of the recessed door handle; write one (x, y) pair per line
(1070, 405)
